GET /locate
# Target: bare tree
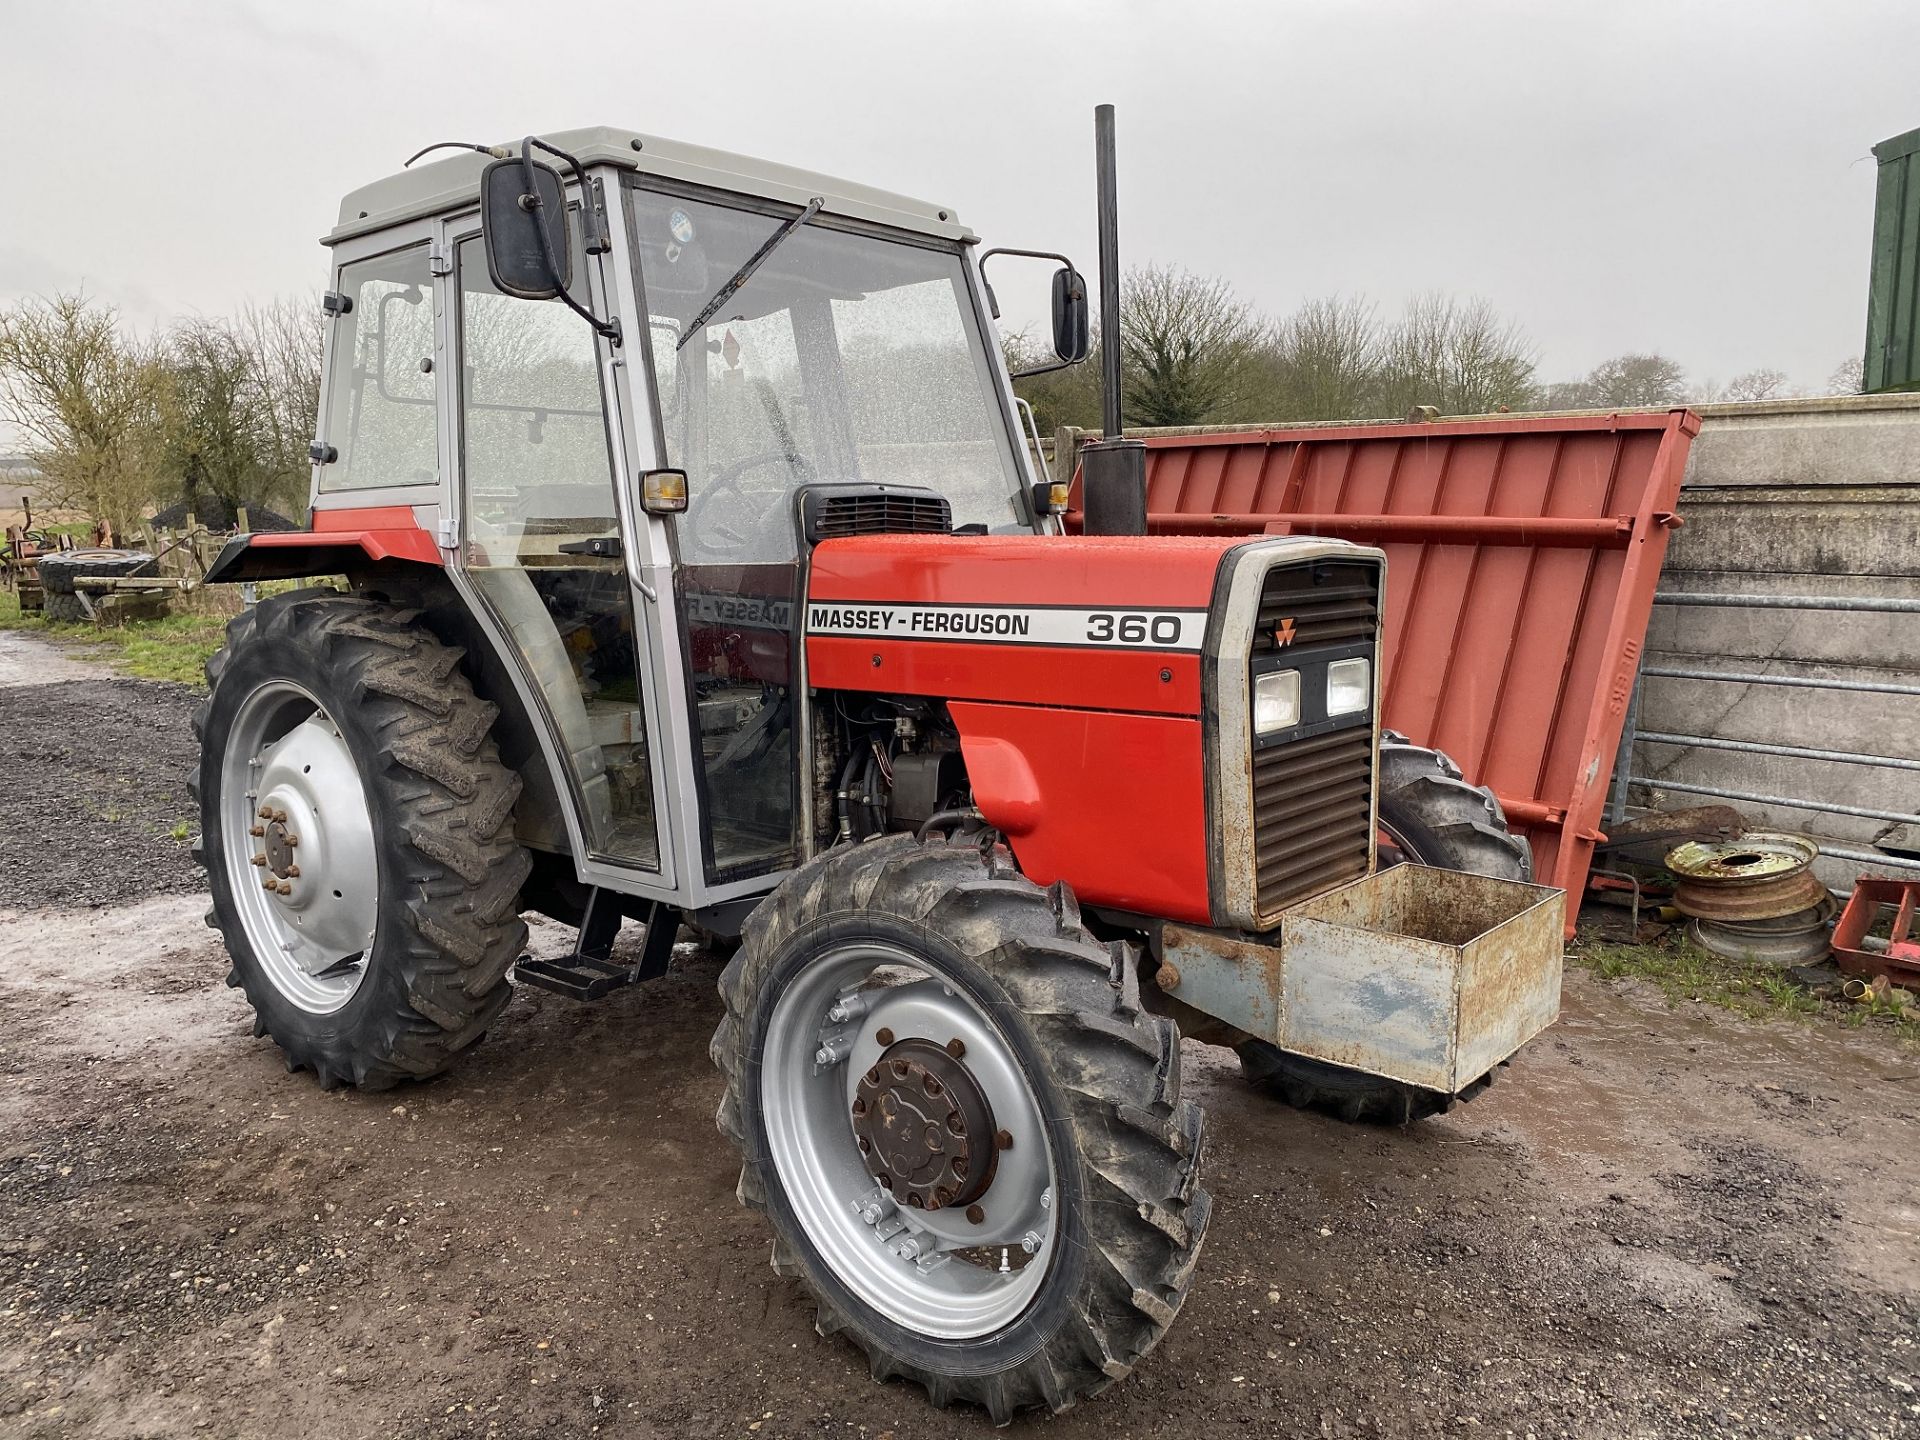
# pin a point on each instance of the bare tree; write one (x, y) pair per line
(1324, 361)
(1564, 395)
(1462, 356)
(1849, 377)
(1760, 384)
(86, 397)
(283, 343)
(1191, 348)
(210, 426)
(1639, 378)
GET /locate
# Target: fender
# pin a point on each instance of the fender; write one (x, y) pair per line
(338, 541)
(1114, 802)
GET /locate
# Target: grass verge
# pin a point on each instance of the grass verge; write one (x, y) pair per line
(174, 647)
(1684, 972)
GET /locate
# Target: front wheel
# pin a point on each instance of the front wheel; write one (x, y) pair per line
(1430, 814)
(965, 1129)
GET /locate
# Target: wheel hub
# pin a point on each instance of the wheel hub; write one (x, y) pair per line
(923, 1126)
(278, 842)
(299, 840)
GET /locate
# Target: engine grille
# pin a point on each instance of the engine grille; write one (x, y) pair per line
(877, 512)
(1313, 796)
(1330, 602)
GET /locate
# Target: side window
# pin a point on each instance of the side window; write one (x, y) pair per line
(532, 420)
(380, 407)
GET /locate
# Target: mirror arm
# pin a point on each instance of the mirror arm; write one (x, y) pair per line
(1046, 369)
(610, 329)
(994, 303)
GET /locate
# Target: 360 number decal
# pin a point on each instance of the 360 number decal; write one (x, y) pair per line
(1106, 627)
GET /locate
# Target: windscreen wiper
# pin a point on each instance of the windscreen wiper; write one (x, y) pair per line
(745, 273)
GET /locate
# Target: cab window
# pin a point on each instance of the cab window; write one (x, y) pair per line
(380, 416)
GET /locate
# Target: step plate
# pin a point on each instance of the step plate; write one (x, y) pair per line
(578, 977)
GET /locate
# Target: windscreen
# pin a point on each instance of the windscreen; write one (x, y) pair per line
(842, 357)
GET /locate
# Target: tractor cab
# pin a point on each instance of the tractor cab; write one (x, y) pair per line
(615, 489)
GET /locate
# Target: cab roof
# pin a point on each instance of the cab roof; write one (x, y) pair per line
(453, 183)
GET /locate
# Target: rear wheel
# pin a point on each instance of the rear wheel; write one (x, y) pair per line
(965, 1129)
(1429, 815)
(357, 829)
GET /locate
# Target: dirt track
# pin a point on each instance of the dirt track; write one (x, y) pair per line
(1659, 1223)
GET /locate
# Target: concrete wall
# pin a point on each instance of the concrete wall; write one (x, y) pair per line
(1806, 497)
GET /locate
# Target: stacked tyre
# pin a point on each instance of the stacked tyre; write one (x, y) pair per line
(60, 572)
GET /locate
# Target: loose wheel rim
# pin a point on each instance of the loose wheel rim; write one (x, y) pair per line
(957, 1272)
(294, 815)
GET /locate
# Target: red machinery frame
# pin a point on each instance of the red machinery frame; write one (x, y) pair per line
(1522, 556)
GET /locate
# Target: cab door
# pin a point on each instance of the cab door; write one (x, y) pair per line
(540, 542)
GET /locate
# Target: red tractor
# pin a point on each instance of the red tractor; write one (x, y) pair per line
(697, 573)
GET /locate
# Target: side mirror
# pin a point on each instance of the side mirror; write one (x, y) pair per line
(524, 229)
(1071, 339)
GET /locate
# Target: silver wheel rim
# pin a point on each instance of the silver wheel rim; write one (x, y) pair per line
(936, 1272)
(291, 796)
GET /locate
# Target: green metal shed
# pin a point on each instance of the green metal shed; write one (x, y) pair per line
(1892, 361)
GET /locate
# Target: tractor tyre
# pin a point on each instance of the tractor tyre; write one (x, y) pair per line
(62, 605)
(1431, 815)
(60, 569)
(966, 1131)
(356, 824)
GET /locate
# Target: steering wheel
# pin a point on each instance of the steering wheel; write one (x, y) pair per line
(714, 535)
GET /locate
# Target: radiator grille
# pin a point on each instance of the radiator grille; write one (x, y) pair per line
(879, 512)
(1330, 602)
(1313, 797)
(1312, 815)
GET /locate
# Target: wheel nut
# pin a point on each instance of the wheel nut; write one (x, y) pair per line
(292, 841)
(956, 1047)
(271, 883)
(257, 831)
(293, 872)
(1003, 1140)
(1030, 1242)
(859, 1107)
(285, 888)
(883, 1035)
(266, 812)
(865, 1145)
(975, 1215)
(259, 859)
(280, 817)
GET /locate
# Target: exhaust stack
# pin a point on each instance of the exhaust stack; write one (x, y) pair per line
(1113, 470)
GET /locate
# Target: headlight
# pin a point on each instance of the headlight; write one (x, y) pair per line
(1348, 686)
(1276, 701)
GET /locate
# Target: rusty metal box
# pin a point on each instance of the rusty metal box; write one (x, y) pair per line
(1427, 976)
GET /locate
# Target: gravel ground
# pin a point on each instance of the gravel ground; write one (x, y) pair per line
(1661, 1222)
(94, 771)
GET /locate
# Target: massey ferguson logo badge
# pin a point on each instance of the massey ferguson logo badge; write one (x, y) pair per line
(1283, 633)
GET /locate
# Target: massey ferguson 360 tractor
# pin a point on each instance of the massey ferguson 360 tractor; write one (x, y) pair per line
(697, 572)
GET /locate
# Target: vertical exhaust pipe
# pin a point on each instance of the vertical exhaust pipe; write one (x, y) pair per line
(1113, 471)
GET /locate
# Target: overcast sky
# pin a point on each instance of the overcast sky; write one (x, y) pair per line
(1688, 177)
